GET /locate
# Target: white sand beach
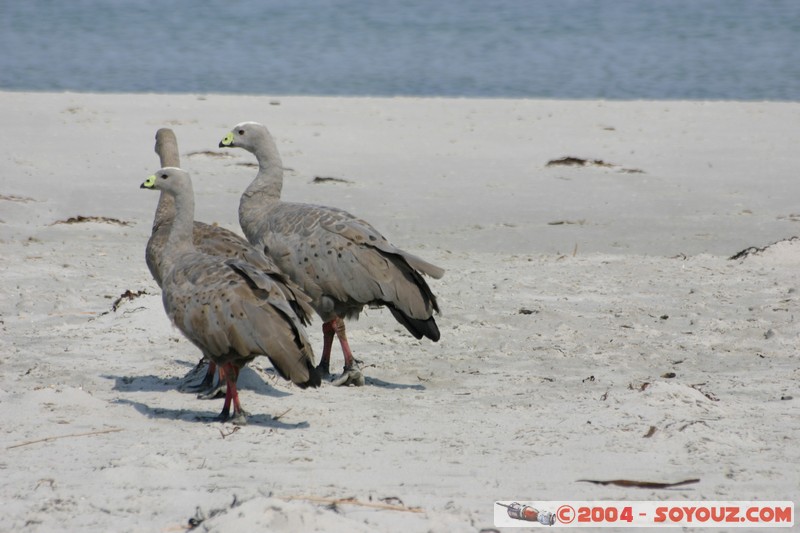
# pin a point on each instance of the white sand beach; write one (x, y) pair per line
(593, 324)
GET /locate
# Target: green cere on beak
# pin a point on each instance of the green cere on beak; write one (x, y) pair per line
(227, 140)
(149, 182)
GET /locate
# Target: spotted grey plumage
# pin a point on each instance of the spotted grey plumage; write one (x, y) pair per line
(207, 238)
(339, 260)
(230, 308)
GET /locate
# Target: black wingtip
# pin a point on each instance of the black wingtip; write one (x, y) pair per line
(314, 377)
(418, 328)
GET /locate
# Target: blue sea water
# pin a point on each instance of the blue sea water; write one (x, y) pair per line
(612, 49)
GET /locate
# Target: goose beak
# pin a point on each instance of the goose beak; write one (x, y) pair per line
(148, 183)
(227, 141)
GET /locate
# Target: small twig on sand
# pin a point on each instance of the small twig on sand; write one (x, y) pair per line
(278, 417)
(232, 431)
(353, 501)
(46, 439)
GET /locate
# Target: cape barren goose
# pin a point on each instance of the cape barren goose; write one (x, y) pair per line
(340, 261)
(229, 308)
(167, 150)
(208, 239)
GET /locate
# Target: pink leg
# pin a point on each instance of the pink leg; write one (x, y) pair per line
(233, 377)
(226, 407)
(328, 331)
(211, 372)
(352, 373)
(231, 373)
(338, 324)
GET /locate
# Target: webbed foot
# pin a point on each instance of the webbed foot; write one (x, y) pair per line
(238, 419)
(351, 377)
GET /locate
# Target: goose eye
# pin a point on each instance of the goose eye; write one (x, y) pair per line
(163, 176)
(241, 132)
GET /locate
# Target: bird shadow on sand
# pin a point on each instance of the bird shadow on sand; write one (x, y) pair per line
(148, 383)
(206, 417)
(375, 382)
(249, 380)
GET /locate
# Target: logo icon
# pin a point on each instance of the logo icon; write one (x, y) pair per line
(517, 511)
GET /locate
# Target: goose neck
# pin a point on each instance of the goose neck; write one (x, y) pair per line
(180, 235)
